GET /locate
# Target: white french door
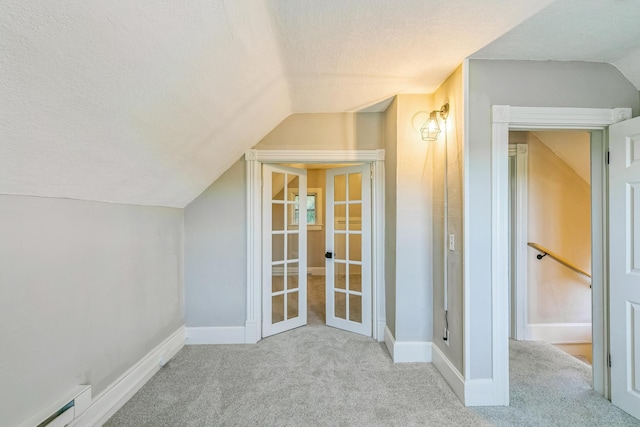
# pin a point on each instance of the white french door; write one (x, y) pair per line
(284, 249)
(348, 246)
(624, 264)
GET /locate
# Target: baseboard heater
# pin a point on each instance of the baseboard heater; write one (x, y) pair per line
(62, 412)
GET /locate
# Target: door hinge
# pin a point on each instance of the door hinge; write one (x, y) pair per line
(607, 157)
(609, 359)
(371, 174)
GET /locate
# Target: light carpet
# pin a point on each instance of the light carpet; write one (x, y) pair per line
(320, 376)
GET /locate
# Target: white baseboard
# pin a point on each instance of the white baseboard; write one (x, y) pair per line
(105, 404)
(316, 271)
(407, 351)
(483, 392)
(559, 333)
(479, 392)
(389, 341)
(381, 330)
(252, 332)
(451, 375)
(216, 335)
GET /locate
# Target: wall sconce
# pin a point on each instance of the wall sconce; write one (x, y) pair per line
(430, 130)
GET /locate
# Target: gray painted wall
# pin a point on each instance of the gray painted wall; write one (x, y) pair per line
(450, 91)
(326, 131)
(520, 83)
(390, 166)
(414, 275)
(87, 289)
(215, 222)
(215, 252)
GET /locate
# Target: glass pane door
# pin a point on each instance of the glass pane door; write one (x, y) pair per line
(284, 249)
(348, 243)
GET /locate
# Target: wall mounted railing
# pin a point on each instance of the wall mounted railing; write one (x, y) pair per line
(544, 252)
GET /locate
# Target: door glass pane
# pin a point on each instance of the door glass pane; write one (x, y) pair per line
(277, 308)
(340, 188)
(355, 277)
(355, 308)
(355, 247)
(292, 275)
(277, 185)
(294, 183)
(277, 247)
(292, 245)
(340, 276)
(355, 216)
(311, 208)
(277, 217)
(355, 186)
(340, 307)
(277, 280)
(340, 217)
(292, 305)
(294, 214)
(340, 245)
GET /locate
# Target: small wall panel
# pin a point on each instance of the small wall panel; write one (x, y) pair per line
(633, 239)
(633, 150)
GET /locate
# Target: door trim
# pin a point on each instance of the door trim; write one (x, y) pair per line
(504, 118)
(519, 222)
(254, 160)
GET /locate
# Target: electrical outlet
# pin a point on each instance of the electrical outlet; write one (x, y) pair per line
(452, 242)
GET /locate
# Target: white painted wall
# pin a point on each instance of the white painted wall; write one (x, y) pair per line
(87, 289)
(450, 91)
(215, 253)
(521, 83)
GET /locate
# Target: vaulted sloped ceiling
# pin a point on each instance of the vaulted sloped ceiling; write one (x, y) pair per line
(148, 102)
(577, 30)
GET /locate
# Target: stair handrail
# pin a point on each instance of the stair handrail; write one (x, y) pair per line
(544, 252)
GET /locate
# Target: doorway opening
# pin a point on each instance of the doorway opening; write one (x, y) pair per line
(317, 246)
(550, 239)
(330, 234)
(507, 118)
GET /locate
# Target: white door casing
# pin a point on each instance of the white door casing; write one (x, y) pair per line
(519, 230)
(495, 390)
(284, 249)
(254, 161)
(624, 264)
(348, 246)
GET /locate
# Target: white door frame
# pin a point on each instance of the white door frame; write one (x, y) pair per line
(504, 118)
(254, 160)
(520, 213)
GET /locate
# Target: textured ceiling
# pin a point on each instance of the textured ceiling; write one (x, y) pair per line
(577, 30)
(148, 102)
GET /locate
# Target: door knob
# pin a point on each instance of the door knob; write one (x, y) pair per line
(328, 255)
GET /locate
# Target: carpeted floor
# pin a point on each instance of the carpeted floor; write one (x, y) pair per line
(320, 376)
(316, 375)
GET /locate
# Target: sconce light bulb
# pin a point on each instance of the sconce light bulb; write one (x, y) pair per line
(431, 129)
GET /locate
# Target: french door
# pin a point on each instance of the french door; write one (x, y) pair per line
(348, 246)
(284, 249)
